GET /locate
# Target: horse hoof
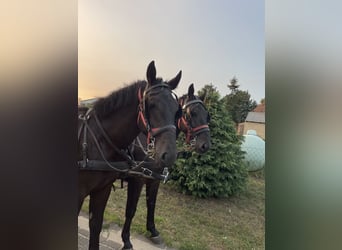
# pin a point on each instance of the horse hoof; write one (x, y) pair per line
(157, 240)
(129, 247)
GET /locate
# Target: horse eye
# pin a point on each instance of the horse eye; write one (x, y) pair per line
(193, 113)
(208, 118)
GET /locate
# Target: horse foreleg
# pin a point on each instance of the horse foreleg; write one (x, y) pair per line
(81, 198)
(151, 198)
(97, 205)
(133, 193)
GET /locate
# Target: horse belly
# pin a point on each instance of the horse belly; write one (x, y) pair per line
(93, 181)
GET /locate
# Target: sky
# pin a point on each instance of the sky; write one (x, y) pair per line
(210, 41)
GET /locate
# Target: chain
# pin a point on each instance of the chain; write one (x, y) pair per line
(151, 152)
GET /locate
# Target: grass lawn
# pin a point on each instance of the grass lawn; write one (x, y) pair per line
(188, 223)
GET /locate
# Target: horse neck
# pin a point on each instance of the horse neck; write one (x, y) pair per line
(122, 126)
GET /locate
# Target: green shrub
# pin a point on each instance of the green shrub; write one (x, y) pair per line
(220, 172)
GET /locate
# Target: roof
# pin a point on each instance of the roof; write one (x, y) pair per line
(260, 108)
(256, 117)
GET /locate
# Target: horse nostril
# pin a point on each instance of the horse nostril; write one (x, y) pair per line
(204, 146)
(168, 158)
(164, 156)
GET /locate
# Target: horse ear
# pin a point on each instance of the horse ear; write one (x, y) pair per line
(173, 83)
(203, 96)
(191, 90)
(151, 73)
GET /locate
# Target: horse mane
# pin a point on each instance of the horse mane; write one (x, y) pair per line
(117, 99)
(183, 97)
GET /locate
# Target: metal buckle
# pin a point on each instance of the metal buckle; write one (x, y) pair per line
(84, 117)
(165, 174)
(149, 172)
(150, 148)
(84, 163)
(193, 142)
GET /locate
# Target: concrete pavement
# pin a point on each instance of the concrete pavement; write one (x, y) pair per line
(111, 238)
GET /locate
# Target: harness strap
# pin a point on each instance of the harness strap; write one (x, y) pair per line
(180, 121)
(149, 174)
(140, 145)
(83, 127)
(109, 141)
(102, 154)
(146, 171)
(80, 130)
(122, 166)
(84, 144)
(200, 129)
(141, 118)
(156, 86)
(192, 102)
(157, 131)
(84, 139)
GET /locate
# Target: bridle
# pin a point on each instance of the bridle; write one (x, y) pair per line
(143, 118)
(185, 120)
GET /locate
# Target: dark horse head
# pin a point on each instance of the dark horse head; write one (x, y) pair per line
(158, 112)
(147, 106)
(194, 122)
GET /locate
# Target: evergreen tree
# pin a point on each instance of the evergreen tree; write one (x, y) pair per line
(238, 104)
(220, 172)
(233, 86)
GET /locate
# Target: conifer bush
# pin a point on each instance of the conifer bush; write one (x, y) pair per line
(220, 172)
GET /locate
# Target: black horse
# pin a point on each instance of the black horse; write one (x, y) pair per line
(111, 126)
(194, 123)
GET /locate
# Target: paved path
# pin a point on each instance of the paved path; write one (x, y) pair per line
(111, 238)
